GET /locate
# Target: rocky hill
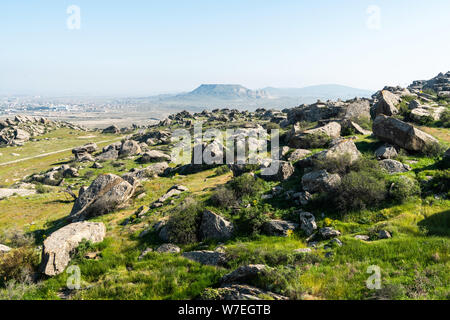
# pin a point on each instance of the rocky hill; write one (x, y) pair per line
(359, 185)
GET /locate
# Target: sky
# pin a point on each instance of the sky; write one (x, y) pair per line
(147, 47)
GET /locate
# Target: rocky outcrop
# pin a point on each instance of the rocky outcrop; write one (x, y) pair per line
(279, 228)
(215, 227)
(111, 129)
(168, 248)
(83, 153)
(345, 150)
(386, 104)
(152, 171)
(284, 171)
(106, 193)
(328, 233)
(298, 154)
(399, 133)
(320, 181)
(60, 244)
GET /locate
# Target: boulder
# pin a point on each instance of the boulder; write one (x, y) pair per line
(307, 222)
(362, 237)
(106, 193)
(111, 154)
(284, 172)
(240, 292)
(386, 152)
(215, 227)
(298, 154)
(340, 149)
(402, 134)
(244, 274)
(393, 166)
(4, 248)
(212, 258)
(172, 192)
(168, 248)
(386, 104)
(279, 228)
(383, 234)
(111, 129)
(60, 244)
(303, 197)
(302, 139)
(320, 181)
(129, 148)
(154, 156)
(328, 233)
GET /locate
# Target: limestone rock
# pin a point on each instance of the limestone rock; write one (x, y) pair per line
(215, 227)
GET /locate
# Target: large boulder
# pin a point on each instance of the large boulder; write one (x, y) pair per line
(60, 244)
(302, 139)
(152, 171)
(298, 154)
(386, 104)
(320, 181)
(83, 153)
(154, 156)
(341, 149)
(402, 134)
(129, 148)
(215, 227)
(279, 228)
(106, 193)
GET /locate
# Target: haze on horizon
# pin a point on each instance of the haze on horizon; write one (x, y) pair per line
(147, 47)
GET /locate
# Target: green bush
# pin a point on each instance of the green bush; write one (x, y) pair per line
(272, 126)
(316, 140)
(18, 264)
(339, 164)
(251, 220)
(246, 185)
(41, 189)
(184, 222)
(403, 187)
(223, 197)
(434, 150)
(445, 118)
(358, 191)
(222, 170)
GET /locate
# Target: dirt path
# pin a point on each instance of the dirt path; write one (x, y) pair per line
(50, 153)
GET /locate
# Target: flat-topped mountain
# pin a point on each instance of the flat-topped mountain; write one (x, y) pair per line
(225, 91)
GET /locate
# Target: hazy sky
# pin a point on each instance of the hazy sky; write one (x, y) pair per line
(144, 47)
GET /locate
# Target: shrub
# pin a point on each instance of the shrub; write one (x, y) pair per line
(252, 218)
(41, 189)
(18, 264)
(359, 190)
(403, 188)
(184, 222)
(445, 118)
(222, 170)
(272, 126)
(89, 174)
(16, 238)
(434, 150)
(246, 185)
(440, 183)
(339, 164)
(316, 140)
(223, 197)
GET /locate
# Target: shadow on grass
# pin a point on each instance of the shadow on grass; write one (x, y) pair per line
(49, 228)
(437, 224)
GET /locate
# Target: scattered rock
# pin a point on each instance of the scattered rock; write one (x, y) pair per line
(362, 237)
(168, 248)
(328, 233)
(4, 248)
(394, 166)
(303, 250)
(320, 181)
(212, 258)
(111, 129)
(106, 193)
(144, 253)
(386, 104)
(129, 148)
(307, 222)
(279, 228)
(298, 154)
(58, 246)
(383, 234)
(154, 156)
(240, 292)
(386, 152)
(244, 274)
(215, 227)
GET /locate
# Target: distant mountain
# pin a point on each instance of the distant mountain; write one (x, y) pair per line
(324, 92)
(224, 92)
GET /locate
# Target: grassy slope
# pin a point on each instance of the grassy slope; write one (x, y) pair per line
(414, 264)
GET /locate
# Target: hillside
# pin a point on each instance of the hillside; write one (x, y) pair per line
(358, 207)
